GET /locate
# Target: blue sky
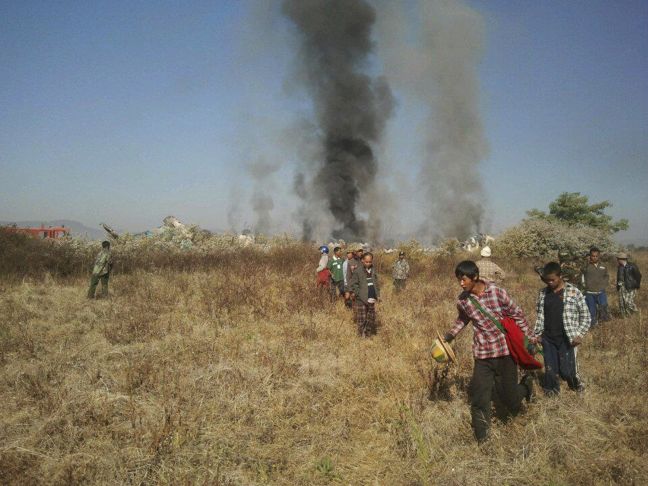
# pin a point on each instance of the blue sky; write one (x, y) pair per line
(126, 112)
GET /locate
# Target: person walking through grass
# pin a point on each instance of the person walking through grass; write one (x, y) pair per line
(350, 265)
(400, 272)
(627, 284)
(335, 265)
(323, 273)
(595, 281)
(488, 269)
(364, 286)
(494, 370)
(562, 321)
(101, 271)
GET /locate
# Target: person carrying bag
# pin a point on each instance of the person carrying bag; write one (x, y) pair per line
(521, 349)
(495, 369)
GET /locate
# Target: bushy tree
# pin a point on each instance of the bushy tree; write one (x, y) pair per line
(574, 209)
(545, 237)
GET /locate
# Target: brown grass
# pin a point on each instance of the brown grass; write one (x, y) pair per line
(240, 373)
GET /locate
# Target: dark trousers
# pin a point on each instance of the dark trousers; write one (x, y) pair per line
(399, 284)
(498, 376)
(336, 288)
(560, 362)
(94, 281)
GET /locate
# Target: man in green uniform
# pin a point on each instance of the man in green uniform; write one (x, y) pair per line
(337, 273)
(101, 271)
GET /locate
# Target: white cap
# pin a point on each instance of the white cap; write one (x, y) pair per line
(486, 251)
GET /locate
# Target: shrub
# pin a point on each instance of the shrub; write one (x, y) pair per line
(543, 238)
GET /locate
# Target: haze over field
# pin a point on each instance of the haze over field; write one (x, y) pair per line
(238, 114)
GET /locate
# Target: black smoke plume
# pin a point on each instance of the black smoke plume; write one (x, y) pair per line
(351, 107)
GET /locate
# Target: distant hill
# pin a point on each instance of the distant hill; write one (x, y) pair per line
(77, 229)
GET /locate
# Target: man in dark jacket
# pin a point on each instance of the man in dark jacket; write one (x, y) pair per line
(348, 267)
(364, 285)
(628, 281)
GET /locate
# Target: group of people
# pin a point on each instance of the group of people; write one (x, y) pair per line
(564, 314)
(572, 302)
(593, 279)
(355, 280)
(566, 308)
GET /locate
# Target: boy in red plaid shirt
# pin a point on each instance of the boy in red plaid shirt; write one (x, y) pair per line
(494, 367)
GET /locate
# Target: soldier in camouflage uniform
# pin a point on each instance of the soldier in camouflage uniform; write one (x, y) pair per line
(628, 282)
(570, 272)
(400, 272)
(101, 271)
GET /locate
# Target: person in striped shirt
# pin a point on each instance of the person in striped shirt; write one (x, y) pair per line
(494, 368)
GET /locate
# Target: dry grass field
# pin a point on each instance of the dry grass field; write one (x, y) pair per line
(240, 373)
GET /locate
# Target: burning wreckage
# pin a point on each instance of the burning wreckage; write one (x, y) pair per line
(185, 236)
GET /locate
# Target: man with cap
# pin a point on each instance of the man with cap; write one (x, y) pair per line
(400, 272)
(323, 273)
(101, 271)
(488, 269)
(628, 282)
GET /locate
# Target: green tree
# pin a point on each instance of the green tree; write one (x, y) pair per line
(573, 209)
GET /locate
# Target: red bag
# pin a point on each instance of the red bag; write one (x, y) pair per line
(516, 340)
(517, 343)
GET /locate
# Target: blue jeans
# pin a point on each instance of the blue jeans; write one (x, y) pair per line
(594, 300)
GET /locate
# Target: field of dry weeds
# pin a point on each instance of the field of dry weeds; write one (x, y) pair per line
(242, 374)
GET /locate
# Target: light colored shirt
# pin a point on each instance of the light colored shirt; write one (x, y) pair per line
(323, 262)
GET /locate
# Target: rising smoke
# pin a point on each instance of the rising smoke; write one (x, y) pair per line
(431, 49)
(262, 203)
(351, 107)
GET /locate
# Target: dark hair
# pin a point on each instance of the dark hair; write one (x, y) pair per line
(552, 268)
(594, 250)
(367, 254)
(105, 244)
(336, 249)
(467, 268)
